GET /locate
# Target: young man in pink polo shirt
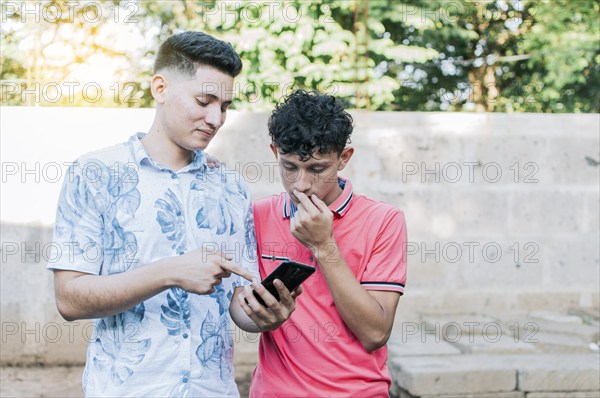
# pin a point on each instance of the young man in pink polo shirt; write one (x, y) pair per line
(334, 344)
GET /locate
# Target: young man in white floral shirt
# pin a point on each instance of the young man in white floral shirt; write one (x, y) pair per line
(157, 247)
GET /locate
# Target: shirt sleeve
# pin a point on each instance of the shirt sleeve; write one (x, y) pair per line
(386, 269)
(78, 230)
(249, 256)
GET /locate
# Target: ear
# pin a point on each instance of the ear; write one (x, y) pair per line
(274, 151)
(158, 86)
(345, 157)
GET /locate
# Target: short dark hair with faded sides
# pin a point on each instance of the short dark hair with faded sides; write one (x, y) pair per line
(185, 52)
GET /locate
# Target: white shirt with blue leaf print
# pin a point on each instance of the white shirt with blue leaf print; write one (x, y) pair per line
(119, 210)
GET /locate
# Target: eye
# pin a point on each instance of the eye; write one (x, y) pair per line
(318, 170)
(288, 166)
(201, 103)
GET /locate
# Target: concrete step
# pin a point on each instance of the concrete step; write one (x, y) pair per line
(495, 374)
(545, 332)
(510, 394)
(455, 374)
(563, 394)
(589, 315)
(409, 339)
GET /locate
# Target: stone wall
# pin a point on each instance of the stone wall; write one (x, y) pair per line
(502, 210)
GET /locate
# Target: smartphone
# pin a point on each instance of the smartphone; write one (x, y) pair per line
(291, 273)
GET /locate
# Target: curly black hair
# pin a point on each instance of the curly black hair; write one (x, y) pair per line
(186, 51)
(306, 122)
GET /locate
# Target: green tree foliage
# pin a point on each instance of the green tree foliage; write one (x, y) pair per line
(564, 45)
(319, 45)
(531, 56)
(417, 55)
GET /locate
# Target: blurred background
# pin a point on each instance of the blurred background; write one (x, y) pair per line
(380, 55)
(479, 119)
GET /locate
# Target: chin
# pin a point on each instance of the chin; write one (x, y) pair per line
(199, 145)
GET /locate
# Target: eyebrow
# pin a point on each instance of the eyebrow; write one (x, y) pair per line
(324, 163)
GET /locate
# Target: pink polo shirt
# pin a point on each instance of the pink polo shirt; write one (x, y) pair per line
(314, 354)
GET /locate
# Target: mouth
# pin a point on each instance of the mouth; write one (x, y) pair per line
(206, 133)
(295, 199)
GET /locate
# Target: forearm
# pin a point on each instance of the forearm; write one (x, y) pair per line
(81, 296)
(366, 317)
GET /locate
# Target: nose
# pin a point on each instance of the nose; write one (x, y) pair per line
(302, 182)
(214, 116)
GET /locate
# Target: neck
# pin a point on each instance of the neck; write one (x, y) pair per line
(338, 192)
(164, 151)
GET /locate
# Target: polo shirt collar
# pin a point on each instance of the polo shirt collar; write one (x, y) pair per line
(339, 206)
(141, 156)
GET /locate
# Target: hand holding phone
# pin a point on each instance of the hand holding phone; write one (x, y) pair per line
(291, 273)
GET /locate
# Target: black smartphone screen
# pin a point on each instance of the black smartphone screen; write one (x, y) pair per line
(291, 273)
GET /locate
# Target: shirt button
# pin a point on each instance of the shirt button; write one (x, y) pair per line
(185, 335)
(185, 380)
(178, 212)
(173, 175)
(312, 258)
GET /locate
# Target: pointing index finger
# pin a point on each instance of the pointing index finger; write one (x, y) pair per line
(236, 269)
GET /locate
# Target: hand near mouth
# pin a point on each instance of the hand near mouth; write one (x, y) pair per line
(312, 223)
